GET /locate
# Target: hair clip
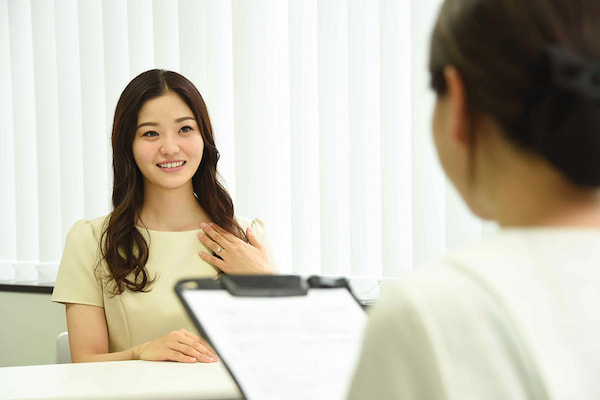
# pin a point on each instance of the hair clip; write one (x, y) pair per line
(562, 114)
(572, 72)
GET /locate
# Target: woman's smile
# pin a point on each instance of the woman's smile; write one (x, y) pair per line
(171, 166)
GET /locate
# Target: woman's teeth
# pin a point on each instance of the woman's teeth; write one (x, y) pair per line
(171, 165)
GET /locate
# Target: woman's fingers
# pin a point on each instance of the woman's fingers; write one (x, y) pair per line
(230, 237)
(181, 346)
(217, 262)
(192, 352)
(197, 343)
(252, 238)
(192, 345)
(205, 354)
(216, 243)
(190, 335)
(218, 235)
(208, 242)
(174, 355)
(235, 256)
(213, 246)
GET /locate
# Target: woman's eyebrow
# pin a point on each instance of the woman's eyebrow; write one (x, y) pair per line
(146, 124)
(184, 119)
(178, 120)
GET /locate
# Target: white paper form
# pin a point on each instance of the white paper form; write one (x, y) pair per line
(300, 347)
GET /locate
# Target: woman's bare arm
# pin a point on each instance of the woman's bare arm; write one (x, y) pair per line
(88, 339)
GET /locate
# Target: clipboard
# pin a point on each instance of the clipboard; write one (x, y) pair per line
(281, 336)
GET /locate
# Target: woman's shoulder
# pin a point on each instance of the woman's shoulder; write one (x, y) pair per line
(85, 229)
(503, 275)
(259, 230)
(470, 272)
(255, 224)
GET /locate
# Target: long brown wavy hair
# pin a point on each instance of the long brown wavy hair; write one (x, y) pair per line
(122, 245)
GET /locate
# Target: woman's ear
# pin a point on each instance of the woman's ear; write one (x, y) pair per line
(459, 125)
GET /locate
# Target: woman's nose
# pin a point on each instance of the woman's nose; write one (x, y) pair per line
(169, 145)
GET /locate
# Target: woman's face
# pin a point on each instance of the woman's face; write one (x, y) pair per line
(168, 146)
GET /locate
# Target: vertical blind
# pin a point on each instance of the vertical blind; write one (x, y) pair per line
(321, 112)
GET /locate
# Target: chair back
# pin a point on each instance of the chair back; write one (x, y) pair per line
(63, 351)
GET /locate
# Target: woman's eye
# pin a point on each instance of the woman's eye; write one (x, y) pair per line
(186, 129)
(150, 134)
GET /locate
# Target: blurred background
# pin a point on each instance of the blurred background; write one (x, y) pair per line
(320, 108)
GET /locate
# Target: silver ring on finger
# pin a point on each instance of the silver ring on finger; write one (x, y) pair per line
(219, 250)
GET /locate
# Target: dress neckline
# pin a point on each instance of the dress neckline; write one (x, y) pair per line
(156, 231)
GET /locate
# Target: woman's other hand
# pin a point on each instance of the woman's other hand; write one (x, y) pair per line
(88, 338)
(181, 345)
(236, 256)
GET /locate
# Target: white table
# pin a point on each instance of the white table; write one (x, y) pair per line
(118, 380)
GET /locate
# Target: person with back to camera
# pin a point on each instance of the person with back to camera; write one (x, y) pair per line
(171, 219)
(517, 130)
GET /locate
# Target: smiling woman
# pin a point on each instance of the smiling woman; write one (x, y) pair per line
(171, 219)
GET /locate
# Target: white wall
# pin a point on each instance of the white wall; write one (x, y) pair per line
(30, 324)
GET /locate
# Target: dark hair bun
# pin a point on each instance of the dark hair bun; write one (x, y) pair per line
(534, 66)
(562, 115)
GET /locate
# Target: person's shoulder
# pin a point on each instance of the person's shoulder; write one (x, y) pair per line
(256, 224)
(432, 280)
(512, 258)
(495, 248)
(408, 308)
(84, 229)
(447, 285)
(496, 257)
(522, 247)
(470, 280)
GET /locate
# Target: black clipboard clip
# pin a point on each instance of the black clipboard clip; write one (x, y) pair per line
(278, 285)
(266, 285)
